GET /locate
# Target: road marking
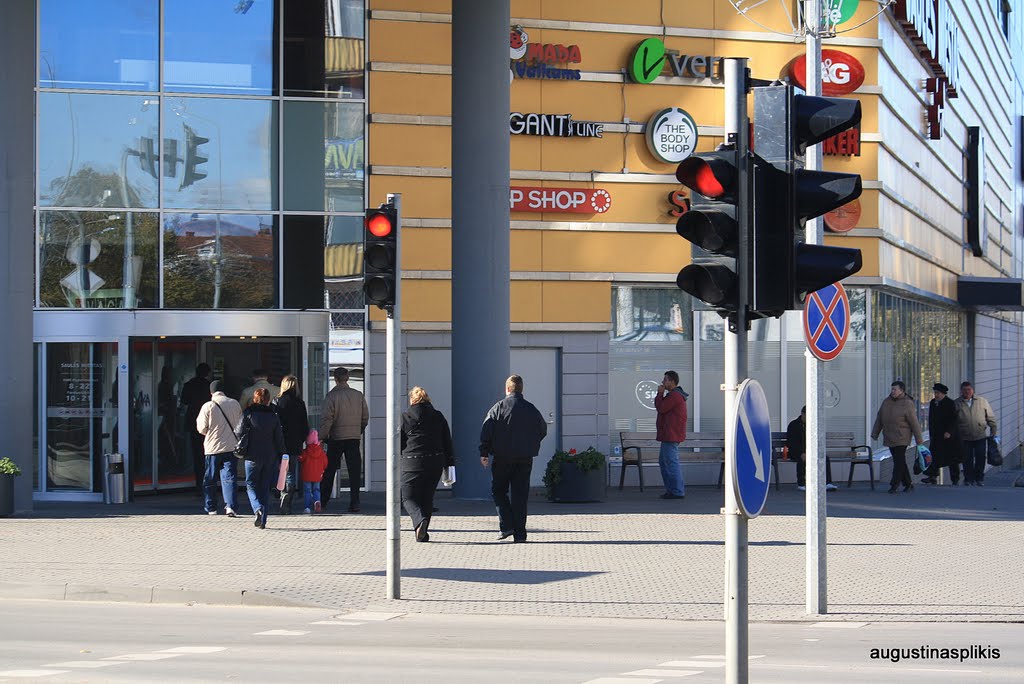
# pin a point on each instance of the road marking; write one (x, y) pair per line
(194, 649)
(281, 632)
(841, 625)
(622, 680)
(340, 623)
(722, 657)
(812, 639)
(691, 663)
(85, 664)
(371, 616)
(651, 672)
(32, 673)
(144, 656)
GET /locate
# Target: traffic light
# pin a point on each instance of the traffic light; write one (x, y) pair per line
(711, 224)
(380, 255)
(147, 156)
(193, 159)
(170, 157)
(785, 195)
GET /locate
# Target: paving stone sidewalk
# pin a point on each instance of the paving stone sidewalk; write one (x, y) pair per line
(936, 554)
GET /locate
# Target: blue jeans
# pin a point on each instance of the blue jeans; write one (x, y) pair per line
(224, 466)
(671, 471)
(258, 481)
(311, 493)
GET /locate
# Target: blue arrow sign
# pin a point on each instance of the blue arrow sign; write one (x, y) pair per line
(753, 448)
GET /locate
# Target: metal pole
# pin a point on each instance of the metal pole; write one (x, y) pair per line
(394, 414)
(815, 548)
(737, 132)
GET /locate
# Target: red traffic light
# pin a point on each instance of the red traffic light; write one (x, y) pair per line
(379, 225)
(710, 175)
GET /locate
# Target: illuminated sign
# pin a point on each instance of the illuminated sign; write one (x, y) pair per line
(568, 200)
(671, 135)
(650, 56)
(841, 74)
(560, 125)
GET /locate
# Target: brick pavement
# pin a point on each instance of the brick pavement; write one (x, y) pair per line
(938, 554)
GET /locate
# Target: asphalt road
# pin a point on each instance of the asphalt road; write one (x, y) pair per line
(65, 641)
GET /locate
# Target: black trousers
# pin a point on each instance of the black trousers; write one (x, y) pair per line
(801, 471)
(336, 449)
(975, 453)
(198, 457)
(900, 472)
(418, 488)
(935, 468)
(511, 477)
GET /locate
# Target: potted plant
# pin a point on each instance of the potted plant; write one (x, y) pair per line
(8, 471)
(572, 477)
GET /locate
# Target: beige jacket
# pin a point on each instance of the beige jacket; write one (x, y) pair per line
(219, 434)
(896, 421)
(345, 414)
(247, 393)
(973, 419)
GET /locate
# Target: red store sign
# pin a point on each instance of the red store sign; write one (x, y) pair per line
(841, 74)
(567, 200)
(933, 31)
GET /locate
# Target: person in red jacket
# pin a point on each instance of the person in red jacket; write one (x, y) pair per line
(670, 402)
(314, 462)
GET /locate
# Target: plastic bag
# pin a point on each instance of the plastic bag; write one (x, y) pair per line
(448, 476)
(924, 459)
(994, 457)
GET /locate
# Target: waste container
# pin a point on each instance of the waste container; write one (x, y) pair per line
(115, 490)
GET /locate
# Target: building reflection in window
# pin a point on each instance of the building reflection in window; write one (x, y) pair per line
(220, 261)
(332, 131)
(324, 49)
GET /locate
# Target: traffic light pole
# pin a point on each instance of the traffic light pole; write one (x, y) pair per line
(815, 561)
(737, 132)
(394, 418)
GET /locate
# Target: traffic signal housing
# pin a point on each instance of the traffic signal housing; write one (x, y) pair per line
(380, 255)
(785, 269)
(193, 158)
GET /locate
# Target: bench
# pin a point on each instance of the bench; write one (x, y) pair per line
(839, 446)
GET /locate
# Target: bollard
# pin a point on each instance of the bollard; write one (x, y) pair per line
(115, 490)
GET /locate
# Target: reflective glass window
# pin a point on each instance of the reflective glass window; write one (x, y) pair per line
(98, 150)
(333, 131)
(100, 44)
(98, 259)
(219, 47)
(324, 48)
(220, 261)
(343, 251)
(226, 153)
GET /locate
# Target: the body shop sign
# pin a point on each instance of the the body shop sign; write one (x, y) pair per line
(671, 135)
(566, 200)
(841, 74)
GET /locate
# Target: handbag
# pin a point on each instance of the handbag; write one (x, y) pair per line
(242, 448)
(994, 457)
(924, 459)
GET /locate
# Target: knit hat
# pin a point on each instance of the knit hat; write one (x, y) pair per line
(313, 437)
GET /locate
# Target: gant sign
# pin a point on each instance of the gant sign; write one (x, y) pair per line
(841, 74)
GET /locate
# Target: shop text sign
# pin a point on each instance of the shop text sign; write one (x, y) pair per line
(932, 29)
(560, 125)
(537, 60)
(841, 74)
(671, 135)
(566, 200)
(845, 144)
(649, 57)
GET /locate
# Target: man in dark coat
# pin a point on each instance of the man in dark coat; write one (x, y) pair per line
(796, 447)
(945, 437)
(511, 433)
(194, 394)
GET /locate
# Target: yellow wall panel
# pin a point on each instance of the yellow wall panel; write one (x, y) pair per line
(647, 12)
(525, 151)
(401, 93)
(866, 164)
(868, 246)
(433, 6)
(422, 197)
(426, 300)
(577, 302)
(408, 145)
(426, 249)
(692, 14)
(526, 250)
(410, 42)
(706, 105)
(582, 252)
(527, 301)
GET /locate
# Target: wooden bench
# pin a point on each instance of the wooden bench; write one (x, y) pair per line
(839, 446)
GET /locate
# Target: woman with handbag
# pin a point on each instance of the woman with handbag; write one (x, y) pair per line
(426, 450)
(295, 426)
(262, 440)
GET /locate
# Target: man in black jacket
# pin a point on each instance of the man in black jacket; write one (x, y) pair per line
(796, 446)
(511, 433)
(945, 436)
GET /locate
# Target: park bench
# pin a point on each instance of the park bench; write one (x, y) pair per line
(839, 446)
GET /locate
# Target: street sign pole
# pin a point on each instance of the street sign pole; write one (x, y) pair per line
(815, 561)
(394, 417)
(737, 131)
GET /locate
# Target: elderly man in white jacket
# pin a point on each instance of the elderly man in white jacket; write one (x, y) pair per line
(217, 421)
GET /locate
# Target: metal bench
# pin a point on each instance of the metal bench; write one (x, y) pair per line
(699, 447)
(839, 446)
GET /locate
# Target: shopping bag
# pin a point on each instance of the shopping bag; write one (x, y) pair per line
(448, 476)
(924, 459)
(282, 475)
(994, 457)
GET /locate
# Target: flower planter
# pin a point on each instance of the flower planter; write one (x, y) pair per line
(6, 495)
(577, 486)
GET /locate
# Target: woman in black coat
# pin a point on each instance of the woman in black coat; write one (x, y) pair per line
(261, 430)
(426, 450)
(945, 437)
(295, 426)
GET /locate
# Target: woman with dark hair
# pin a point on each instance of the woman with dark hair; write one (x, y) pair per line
(261, 431)
(295, 426)
(426, 449)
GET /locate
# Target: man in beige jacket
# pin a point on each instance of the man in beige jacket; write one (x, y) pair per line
(342, 424)
(217, 421)
(974, 418)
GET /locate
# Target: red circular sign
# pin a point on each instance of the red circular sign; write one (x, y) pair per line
(841, 74)
(827, 321)
(845, 218)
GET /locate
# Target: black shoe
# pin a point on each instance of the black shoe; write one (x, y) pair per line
(893, 489)
(519, 540)
(908, 488)
(669, 495)
(286, 504)
(354, 508)
(502, 536)
(258, 522)
(928, 480)
(421, 533)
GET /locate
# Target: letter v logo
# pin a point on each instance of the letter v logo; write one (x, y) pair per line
(647, 62)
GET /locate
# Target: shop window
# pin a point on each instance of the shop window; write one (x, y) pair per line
(333, 132)
(98, 150)
(324, 48)
(98, 259)
(100, 44)
(303, 243)
(220, 261)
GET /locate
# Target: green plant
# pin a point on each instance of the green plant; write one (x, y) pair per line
(9, 467)
(590, 459)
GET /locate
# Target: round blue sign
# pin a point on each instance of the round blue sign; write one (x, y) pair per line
(752, 455)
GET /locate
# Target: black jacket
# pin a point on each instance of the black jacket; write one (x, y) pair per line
(512, 430)
(796, 439)
(942, 418)
(194, 394)
(266, 440)
(426, 438)
(294, 421)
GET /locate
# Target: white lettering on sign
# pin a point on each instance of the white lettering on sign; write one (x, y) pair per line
(671, 135)
(570, 200)
(554, 125)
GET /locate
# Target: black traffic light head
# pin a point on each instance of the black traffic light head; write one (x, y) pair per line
(380, 255)
(147, 156)
(193, 158)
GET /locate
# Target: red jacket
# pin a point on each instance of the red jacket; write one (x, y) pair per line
(671, 421)
(314, 462)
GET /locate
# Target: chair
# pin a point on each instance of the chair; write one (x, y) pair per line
(626, 461)
(859, 458)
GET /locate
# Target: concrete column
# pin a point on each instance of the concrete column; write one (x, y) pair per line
(480, 227)
(17, 255)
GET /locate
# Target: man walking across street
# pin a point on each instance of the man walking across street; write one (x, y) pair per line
(511, 434)
(217, 420)
(194, 394)
(670, 403)
(974, 417)
(344, 419)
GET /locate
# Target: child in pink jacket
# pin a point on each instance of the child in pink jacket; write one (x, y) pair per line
(313, 461)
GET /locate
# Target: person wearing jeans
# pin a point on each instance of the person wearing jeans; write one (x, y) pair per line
(222, 467)
(216, 423)
(670, 403)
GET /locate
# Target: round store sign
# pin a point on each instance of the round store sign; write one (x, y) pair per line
(672, 135)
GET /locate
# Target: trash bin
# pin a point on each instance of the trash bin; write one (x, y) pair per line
(115, 490)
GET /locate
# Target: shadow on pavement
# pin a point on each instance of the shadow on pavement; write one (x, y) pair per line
(486, 576)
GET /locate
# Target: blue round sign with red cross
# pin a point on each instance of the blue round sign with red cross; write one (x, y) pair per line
(827, 321)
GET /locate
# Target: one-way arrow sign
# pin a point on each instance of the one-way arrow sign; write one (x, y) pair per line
(752, 456)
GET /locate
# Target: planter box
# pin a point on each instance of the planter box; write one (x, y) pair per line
(580, 487)
(6, 495)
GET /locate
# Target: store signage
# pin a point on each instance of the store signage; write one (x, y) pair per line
(649, 57)
(841, 74)
(536, 60)
(679, 203)
(671, 135)
(932, 29)
(845, 218)
(568, 200)
(553, 124)
(343, 158)
(646, 391)
(845, 144)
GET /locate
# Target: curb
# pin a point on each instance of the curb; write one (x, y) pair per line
(142, 594)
